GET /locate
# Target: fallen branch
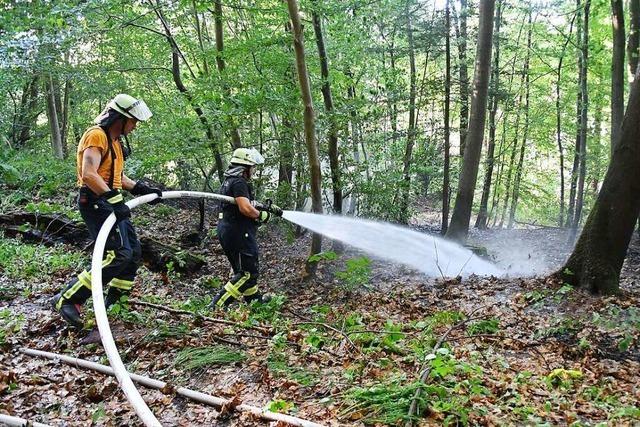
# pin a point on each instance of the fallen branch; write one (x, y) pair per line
(196, 315)
(185, 392)
(19, 422)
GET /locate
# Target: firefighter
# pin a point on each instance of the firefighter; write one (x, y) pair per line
(237, 226)
(100, 169)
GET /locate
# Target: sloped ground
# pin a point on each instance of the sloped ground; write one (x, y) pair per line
(345, 348)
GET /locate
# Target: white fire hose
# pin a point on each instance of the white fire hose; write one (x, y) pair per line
(109, 345)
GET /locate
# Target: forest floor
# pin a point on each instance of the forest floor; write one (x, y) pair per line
(344, 348)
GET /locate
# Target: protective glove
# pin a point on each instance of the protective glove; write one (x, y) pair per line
(264, 217)
(140, 189)
(268, 206)
(116, 202)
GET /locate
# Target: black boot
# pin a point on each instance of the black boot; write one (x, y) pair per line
(262, 299)
(113, 296)
(68, 303)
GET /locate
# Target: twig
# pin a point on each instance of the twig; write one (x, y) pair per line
(324, 325)
(198, 316)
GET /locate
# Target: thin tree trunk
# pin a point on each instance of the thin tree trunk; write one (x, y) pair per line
(633, 43)
(461, 35)
(558, 124)
(199, 26)
(328, 105)
(459, 226)
(309, 124)
(576, 155)
(519, 169)
(598, 256)
(52, 115)
(481, 220)
(64, 128)
(27, 111)
(411, 130)
(235, 134)
(617, 71)
(583, 122)
(447, 104)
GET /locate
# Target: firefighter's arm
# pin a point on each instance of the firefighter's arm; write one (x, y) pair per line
(127, 183)
(91, 158)
(246, 208)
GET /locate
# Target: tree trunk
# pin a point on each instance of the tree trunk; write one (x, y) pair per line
(28, 103)
(64, 128)
(309, 124)
(617, 71)
(328, 105)
(52, 115)
(576, 155)
(633, 43)
(481, 220)
(447, 104)
(411, 130)
(461, 35)
(583, 122)
(459, 226)
(558, 124)
(597, 258)
(519, 169)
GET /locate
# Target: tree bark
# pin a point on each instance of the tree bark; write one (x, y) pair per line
(447, 105)
(52, 115)
(617, 71)
(481, 220)
(576, 155)
(28, 103)
(597, 258)
(328, 105)
(459, 226)
(309, 124)
(64, 127)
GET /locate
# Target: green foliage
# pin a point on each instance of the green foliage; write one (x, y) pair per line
(268, 312)
(357, 273)
(488, 326)
(202, 357)
(279, 405)
(323, 256)
(23, 261)
(279, 366)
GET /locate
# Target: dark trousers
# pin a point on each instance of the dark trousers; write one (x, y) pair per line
(241, 248)
(122, 250)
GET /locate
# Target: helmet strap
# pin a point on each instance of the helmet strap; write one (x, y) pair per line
(126, 150)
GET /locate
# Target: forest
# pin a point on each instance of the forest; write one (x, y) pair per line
(445, 197)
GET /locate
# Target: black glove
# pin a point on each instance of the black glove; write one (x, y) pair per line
(115, 200)
(268, 206)
(140, 189)
(264, 217)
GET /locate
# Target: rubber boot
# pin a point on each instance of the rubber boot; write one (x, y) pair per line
(214, 302)
(259, 297)
(68, 305)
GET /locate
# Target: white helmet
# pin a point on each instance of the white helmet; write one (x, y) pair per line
(247, 156)
(130, 107)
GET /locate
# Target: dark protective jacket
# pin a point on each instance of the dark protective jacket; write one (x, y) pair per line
(237, 233)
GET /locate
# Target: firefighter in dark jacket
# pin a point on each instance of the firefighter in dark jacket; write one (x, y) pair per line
(100, 168)
(237, 226)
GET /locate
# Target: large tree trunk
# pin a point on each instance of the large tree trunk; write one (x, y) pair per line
(597, 258)
(633, 43)
(447, 104)
(411, 130)
(26, 113)
(459, 226)
(309, 123)
(525, 134)
(52, 115)
(235, 134)
(481, 220)
(328, 105)
(583, 123)
(617, 71)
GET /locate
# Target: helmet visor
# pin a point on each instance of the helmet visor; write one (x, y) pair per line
(140, 111)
